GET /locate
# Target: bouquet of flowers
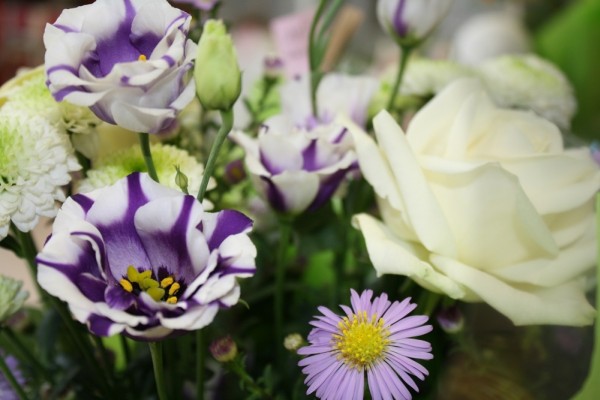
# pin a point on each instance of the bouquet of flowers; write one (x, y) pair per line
(321, 235)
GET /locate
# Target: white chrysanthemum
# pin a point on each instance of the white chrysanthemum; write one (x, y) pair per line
(532, 83)
(110, 169)
(425, 77)
(12, 297)
(36, 161)
(28, 92)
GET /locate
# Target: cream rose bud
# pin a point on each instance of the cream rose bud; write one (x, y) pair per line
(483, 204)
(409, 22)
(217, 74)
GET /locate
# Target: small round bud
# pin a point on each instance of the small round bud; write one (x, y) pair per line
(273, 67)
(450, 319)
(217, 74)
(223, 349)
(293, 341)
(235, 172)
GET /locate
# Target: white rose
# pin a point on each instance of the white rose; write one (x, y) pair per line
(483, 204)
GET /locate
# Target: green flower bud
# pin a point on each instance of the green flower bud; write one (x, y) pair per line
(224, 349)
(181, 180)
(217, 74)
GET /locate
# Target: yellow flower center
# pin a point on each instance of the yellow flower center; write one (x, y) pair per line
(137, 282)
(142, 57)
(361, 340)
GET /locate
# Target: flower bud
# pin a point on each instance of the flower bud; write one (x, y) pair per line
(451, 319)
(217, 74)
(409, 22)
(223, 349)
(273, 67)
(181, 180)
(293, 342)
(234, 171)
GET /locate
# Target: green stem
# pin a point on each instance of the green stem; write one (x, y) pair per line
(15, 342)
(237, 367)
(107, 367)
(285, 231)
(8, 375)
(125, 347)
(227, 124)
(405, 52)
(157, 363)
(315, 57)
(145, 145)
(200, 364)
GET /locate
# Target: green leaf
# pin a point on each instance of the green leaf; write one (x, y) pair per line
(591, 387)
(319, 271)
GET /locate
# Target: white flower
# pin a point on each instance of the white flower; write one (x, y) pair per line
(128, 61)
(411, 21)
(12, 297)
(483, 204)
(36, 161)
(489, 35)
(531, 83)
(28, 93)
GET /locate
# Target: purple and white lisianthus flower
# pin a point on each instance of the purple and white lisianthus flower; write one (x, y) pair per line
(128, 60)
(374, 339)
(144, 260)
(409, 22)
(300, 159)
(297, 169)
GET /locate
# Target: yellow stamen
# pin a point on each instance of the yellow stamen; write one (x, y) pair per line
(132, 274)
(126, 285)
(145, 275)
(174, 288)
(142, 58)
(165, 283)
(148, 283)
(156, 293)
(361, 340)
(172, 300)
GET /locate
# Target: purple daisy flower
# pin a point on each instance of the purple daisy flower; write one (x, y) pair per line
(141, 259)
(127, 60)
(374, 337)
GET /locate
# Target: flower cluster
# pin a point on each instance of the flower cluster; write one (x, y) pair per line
(458, 177)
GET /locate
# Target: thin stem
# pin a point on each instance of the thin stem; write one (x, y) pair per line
(108, 371)
(15, 342)
(145, 145)
(237, 367)
(8, 375)
(405, 52)
(314, 56)
(227, 124)
(157, 363)
(125, 347)
(285, 231)
(200, 362)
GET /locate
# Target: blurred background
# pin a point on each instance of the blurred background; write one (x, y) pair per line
(565, 31)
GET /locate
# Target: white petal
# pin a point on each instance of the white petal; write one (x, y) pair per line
(422, 208)
(391, 255)
(524, 305)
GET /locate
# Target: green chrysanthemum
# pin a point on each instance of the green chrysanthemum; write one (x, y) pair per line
(36, 161)
(12, 297)
(110, 169)
(531, 83)
(28, 93)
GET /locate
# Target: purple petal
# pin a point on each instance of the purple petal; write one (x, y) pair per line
(229, 222)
